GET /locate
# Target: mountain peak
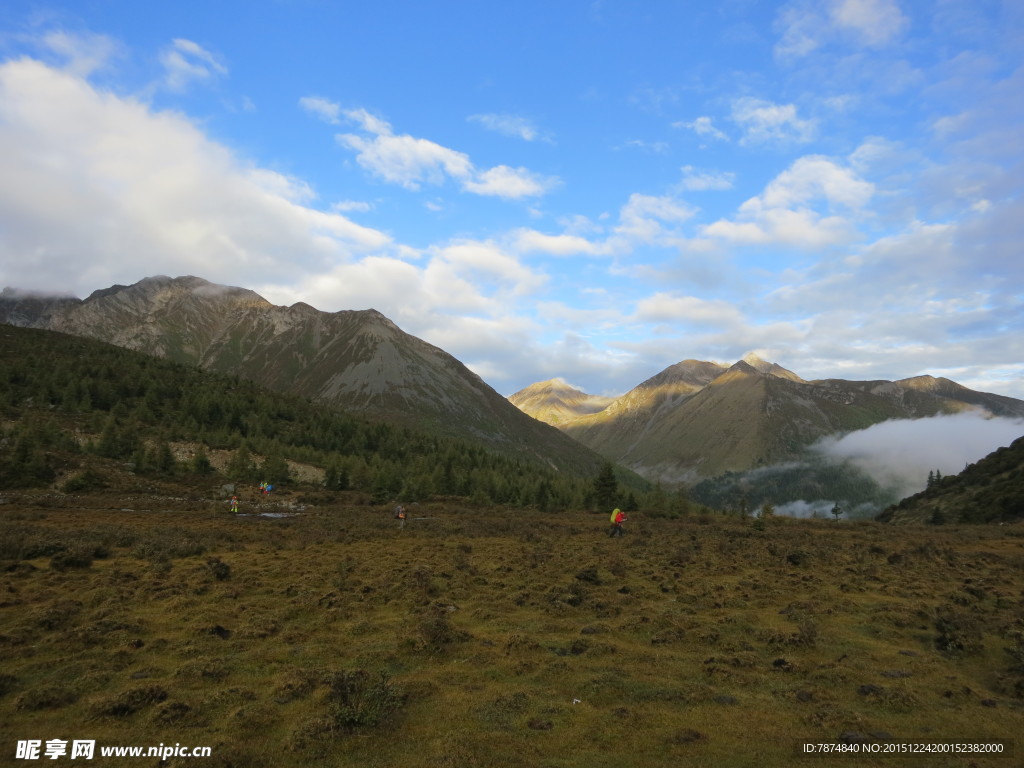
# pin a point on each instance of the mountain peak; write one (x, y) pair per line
(556, 401)
(759, 364)
(557, 384)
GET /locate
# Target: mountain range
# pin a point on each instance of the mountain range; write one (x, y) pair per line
(358, 361)
(692, 421)
(698, 419)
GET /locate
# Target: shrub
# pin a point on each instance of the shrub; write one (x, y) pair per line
(357, 699)
(79, 557)
(221, 571)
(7, 683)
(130, 702)
(46, 697)
(434, 631)
(958, 633)
(87, 480)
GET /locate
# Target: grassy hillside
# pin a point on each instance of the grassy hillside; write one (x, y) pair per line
(479, 638)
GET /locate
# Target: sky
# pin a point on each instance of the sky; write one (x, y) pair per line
(591, 190)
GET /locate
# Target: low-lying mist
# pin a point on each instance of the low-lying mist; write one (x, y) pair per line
(865, 471)
(899, 454)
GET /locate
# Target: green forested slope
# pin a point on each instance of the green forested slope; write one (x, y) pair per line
(65, 399)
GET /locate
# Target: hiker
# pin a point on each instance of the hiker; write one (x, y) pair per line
(263, 488)
(618, 518)
(234, 503)
(400, 514)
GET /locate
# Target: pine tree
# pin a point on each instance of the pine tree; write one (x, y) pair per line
(241, 468)
(606, 487)
(275, 469)
(164, 459)
(201, 462)
(331, 475)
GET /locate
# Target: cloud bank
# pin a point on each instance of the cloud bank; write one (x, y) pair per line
(900, 453)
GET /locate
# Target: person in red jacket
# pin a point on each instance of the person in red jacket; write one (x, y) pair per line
(618, 518)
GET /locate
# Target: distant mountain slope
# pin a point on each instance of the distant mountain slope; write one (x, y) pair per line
(989, 490)
(30, 309)
(698, 419)
(356, 360)
(77, 414)
(555, 401)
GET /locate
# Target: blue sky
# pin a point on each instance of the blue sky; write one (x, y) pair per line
(592, 190)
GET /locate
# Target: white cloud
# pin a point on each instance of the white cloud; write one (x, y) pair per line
(702, 126)
(532, 241)
(489, 264)
(778, 226)
(807, 25)
(877, 152)
(655, 147)
(874, 22)
(465, 297)
(102, 189)
(673, 308)
(85, 53)
(509, 183)
(811, 177)
(513, 126)
(403, 160)
(642, 219)
(695, 180)
(186, 62)
(765, 122)
(369, 122)
(801, 30)
(784, 212)
(325, 109)
(351, 205)
(411, 161)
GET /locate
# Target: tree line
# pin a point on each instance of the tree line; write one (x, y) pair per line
(64, 398)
